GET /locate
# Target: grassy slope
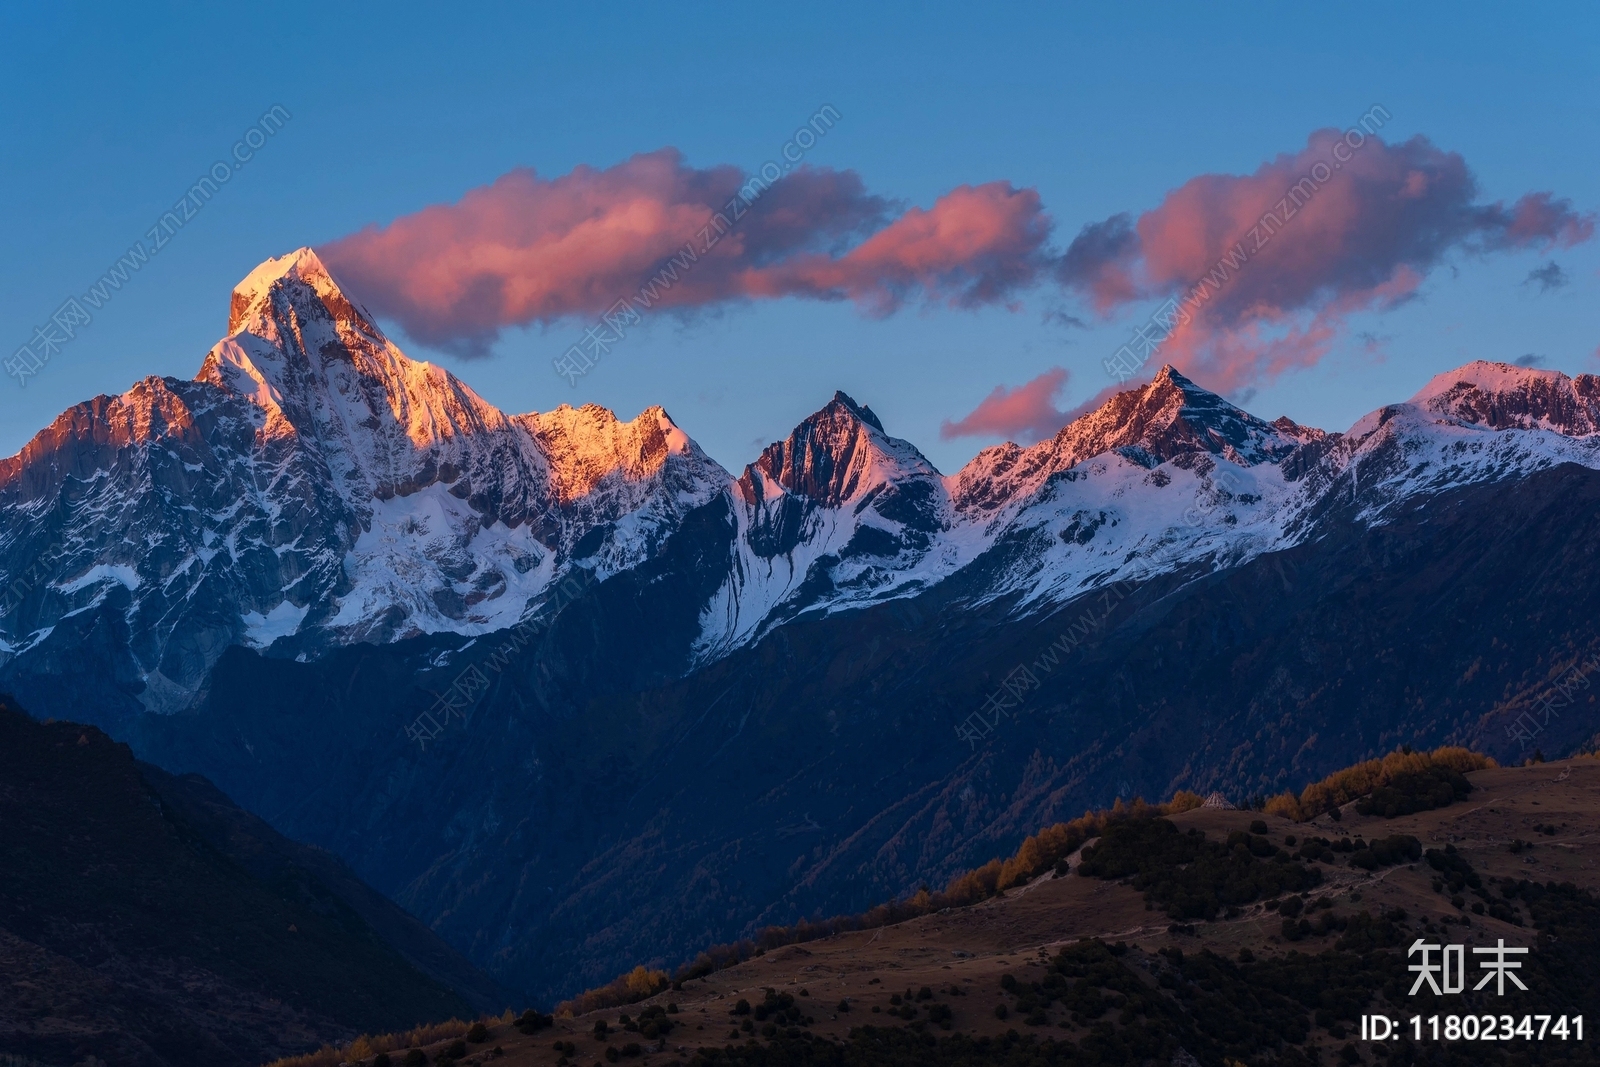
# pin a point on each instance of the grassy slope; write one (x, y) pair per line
(1294, 999)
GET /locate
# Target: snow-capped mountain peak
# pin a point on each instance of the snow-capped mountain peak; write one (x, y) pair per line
(836, 514)
(315, 483)
(385, 425)
(1167, 418)
(1503, 396)
(840, 453)
(1163, 421)
(254, 296)
(588, 444)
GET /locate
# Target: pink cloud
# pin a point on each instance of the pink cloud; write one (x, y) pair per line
(1271, 264)
(1025, 414)
(976, 245)
(1539, 218)
(527, 249)
(1101, 261)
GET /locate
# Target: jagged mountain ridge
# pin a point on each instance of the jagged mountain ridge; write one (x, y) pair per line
(1169, 418)
(314, 487)
(1503, 397)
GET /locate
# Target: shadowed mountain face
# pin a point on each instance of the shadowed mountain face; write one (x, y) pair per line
(826, 458)
(793, 692)
(146, 921)
(318, 879)
(592, 813)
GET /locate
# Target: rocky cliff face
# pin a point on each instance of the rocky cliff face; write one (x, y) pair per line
(314, 485)
(835, 515)
(1503, 397)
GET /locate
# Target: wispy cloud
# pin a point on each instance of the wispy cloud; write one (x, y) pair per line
(1548, 277)
(1025, 414)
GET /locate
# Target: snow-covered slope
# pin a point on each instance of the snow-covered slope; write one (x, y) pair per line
(1484, 422)
(1160, 478)
(1499, 396)
(313, 480)
(838, 513)
(619, 488)
(1169, 418)
(1171, 476)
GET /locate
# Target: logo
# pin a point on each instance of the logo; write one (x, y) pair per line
(1449, 974)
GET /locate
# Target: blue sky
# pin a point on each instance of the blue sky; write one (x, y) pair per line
(113, 113)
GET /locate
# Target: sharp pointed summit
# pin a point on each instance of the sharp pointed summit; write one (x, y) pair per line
(835, 513)
(837, 454)
(860, 411)
(382, 424)
(1170, 417)
(1162, 421)
(285, 281)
